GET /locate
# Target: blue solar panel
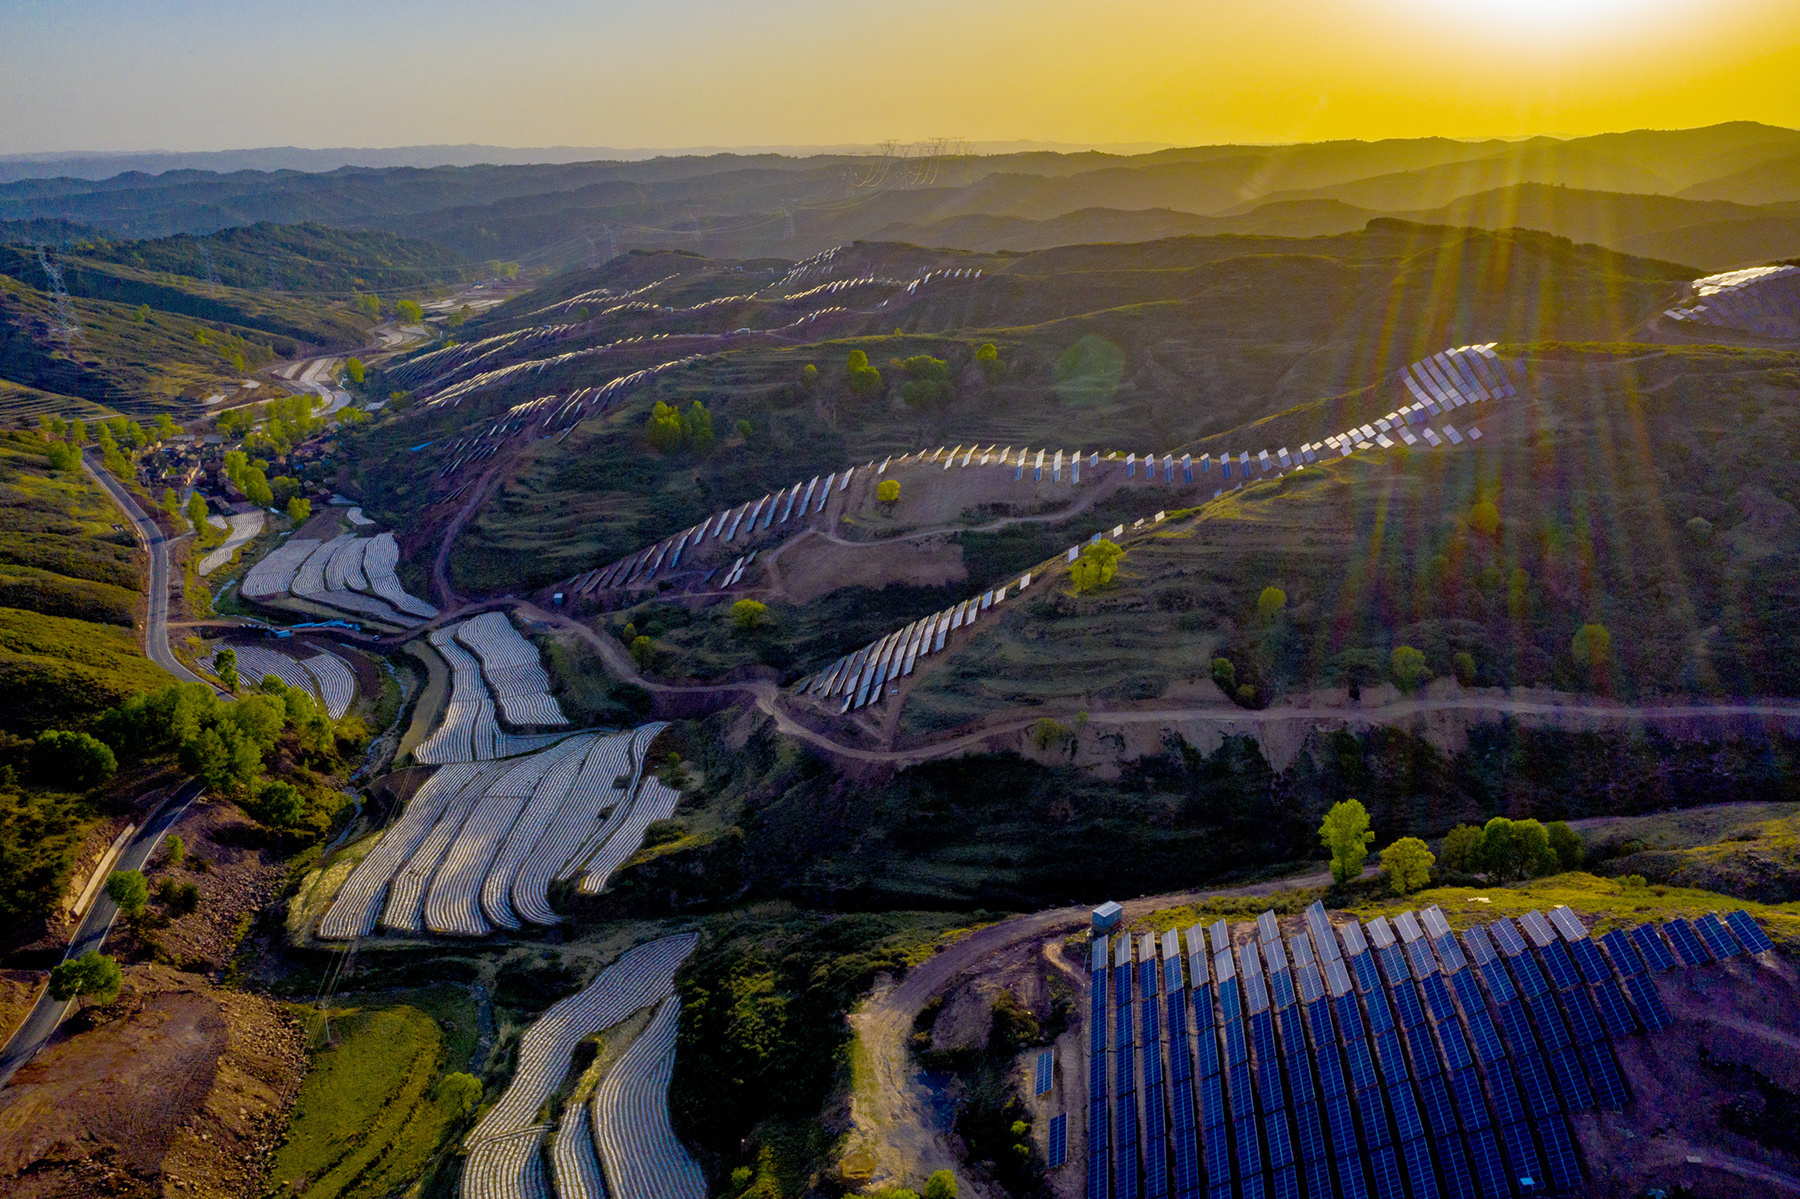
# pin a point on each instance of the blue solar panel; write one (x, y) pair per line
(1718, 938)
(1371, 1113)
(1360, 1064)
(1468, 992)
(1624, 955)
(1565, 1068)
(1243, 1100)
(1529, 977)
(1748, 932)
(1317, 1173)
(1384, 1171)
(1437, 998)
(1516, 1027)
(1393, 963)
(1216, 1143)
(1487, 1041)
(1181, 1062)
(1121, 986)
(1281, 1144)
(1099, 1155)
(1338, 1125)
(1229, 999)
(1534, 1084)
(1649, 1004)
(1471, 1105)
(1419, 1175)
(1125, 1163)
(1292, 1027)
(1455, 1047)
(1124, 1077)
(1649, 942)
(1503, 1093)
(1310, 1133)
(1418, 954)
(1388, 1057)
(1351, 1184)
(1152, 1068)
(1046, 1064)
(1498, 984)
(1149, 1019)
(1122, 1026)
(1603, 1072)
(1212, 1100)
(1222, 1191)
(1349, 1017)
(1059, 1140)
(1262, 1034)
(1522, 1156)
(1548, 1018)
(1318, 1023)
(1457, 1182)
(1331, 1073)
(1556, 961)
(1249, 1148)
(1686, 942)
(1284, 1183)
(1097, 1074)
(1559, 1153)
(1434, 1104)
(1156, 1163)
(1424, 1051)
(1449, 952)
(1269, 1093)
(1281, 989)
(1589, 960)
(1207, 1042)
(1237, 1048)
(1252, 1188)
(1184, 1143)
(1407, 1124)
(1489, 1170)
(1584, 1023)
(1613, 1012)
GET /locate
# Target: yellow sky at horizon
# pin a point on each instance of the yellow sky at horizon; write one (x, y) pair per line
(198, 74)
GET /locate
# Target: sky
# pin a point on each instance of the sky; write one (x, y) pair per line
(115, 75)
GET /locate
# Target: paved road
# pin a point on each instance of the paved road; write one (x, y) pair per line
(91, 935)
(156, 623)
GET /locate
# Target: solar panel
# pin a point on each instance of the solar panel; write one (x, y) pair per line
(1564, 921)
(1550, 1026)
(1230, 1004)
(1300, 948)
(1654, 949)
(1281, 1146)
(1337, 979)
(1437, 998)
(1249, 1148)
(1522, 1156)
(1352, 936)
(1559, 1153)
(1256, 995)
(1432, 920)
(1309, 1132)
(1718, 938)
(1503, 1094)
(1613, 1012)
(1243, 1100)
(1623, 954)
(1488, 1169)
(1393, 964)
(1324, 939)
(1748, 932)
(1405, 1111)
(1237, 1047)
(1686, 942)
(1650, 1008)
(1362, 968)
(1318, 1023)
(1349, 1016)
(1125, 1165)
(1417, 1160)
(1269, 1093)
(1506, 936)
(1185, 1151)
(1556, 961)
(1584, 1023)
(1123, 1075)
(1487, 1041)
(1603, 1071)
(1388, 1057)
(1499, 985)
(1317, 1173)
(1591, 962)
(1312, 986)
(1208, 1045)
(1384, 1172)
(1212, 1100)
(1478, 946)
(1046, 1062)
(1331, 1073)
(1449, 953)
(1534, 1085)
(1266, 927)
(1471, 1105)
(1292, 1027)
(1406, 1004)
(1565, 1068)
(1407, 925)
(1281, 989)
(1351, 1184)
(1059, 1140)
(1424, 1051)
(1457, 1182)
(1373, 1117)
(1362, 1067)
(1338, 1125)
(1435, 1106)
(1216, 1143)
(1419, 956)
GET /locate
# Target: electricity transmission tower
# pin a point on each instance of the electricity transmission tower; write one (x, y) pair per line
(67, 325)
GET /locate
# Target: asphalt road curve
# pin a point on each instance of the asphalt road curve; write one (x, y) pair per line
(35, 1032)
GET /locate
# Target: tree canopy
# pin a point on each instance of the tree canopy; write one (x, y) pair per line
(93, 975)
(1408, 863)
(1095, 566)
(129, 890)
(1345, 832)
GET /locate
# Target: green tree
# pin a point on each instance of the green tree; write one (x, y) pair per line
(1565, 843)
(1345, 832)
(196, 512)
(1532, 840)
(174, 850)
(72, 761)
(1225, 675)
(458, 1093)
(1095, 566)
(409, 311)
(129, 890)
(888, 491)
(299, 510)
(987, 357)
(179, 899)
(63, 457)
(1463, 663)
(1462, 849)
(141, 315)
(1270, 603)
(643, 652)
(355, 369)
(171, 503)
(277, 804)
(1046, 733)
(166, 428)
(748, 615)
(697, 428)
(1408, 863)
(663, 430)
(1484, 518)
(93, 975)
(1504, 855)
(865, 380)
(370, 305)
(809, 375)
(1408, 666)
(941, 1185)
(459, 316)
(1592, 647)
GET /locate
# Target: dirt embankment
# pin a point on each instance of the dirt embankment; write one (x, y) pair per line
(177, 1087)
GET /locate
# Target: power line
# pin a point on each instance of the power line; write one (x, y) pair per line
(68, 326)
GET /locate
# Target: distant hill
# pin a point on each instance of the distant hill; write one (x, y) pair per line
(1763, 183)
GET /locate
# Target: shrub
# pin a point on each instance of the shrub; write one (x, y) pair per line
(888, 491)
(1484, 518)
(1225, 675)
(1408, 863)
(277, 804)
(1408, 665)
(941, 1185)
(1592, 647)
(1462, 849)
(1096, 566)
(1464, 665)
(1270, 603)
(71, 761)
(181, 899)
(748, 615)
(1345, 832)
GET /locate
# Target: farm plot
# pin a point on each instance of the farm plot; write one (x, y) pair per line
(469, 732)
(349, 573)
(327, 678)
(513, 671)
(642, 1156)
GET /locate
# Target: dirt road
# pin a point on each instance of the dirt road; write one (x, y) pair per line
(895, 1126)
